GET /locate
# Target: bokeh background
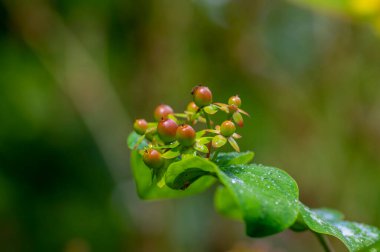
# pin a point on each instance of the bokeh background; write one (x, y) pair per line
(75, 74)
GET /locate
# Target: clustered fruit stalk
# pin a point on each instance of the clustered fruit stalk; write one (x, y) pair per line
(173, 136)
(208, 123)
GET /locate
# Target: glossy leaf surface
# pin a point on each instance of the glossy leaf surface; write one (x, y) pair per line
(183, 173)
(171, 154)
(226, 204)
(231, 158)
(211, 109)
(148, 188)
(266, 196)
(218, 141)
(355, 236)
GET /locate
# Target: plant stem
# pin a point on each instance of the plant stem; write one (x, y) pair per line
(324, 242)
(216, 152)
(208, 123)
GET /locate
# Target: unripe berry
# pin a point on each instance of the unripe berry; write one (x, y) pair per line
(191, 107)
(227, 128)
(162, 111)
(167, 129)
(185, 135)
(235, 100)
(140, 126)
(202, 96)
(152, 158)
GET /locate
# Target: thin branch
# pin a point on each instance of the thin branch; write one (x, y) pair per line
(324, 242)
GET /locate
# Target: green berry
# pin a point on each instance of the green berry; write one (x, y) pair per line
(152, 158)
(167, 129)
(235, 100)
(162, 111)
(185, 135)
(140, 126)
(192, 107)
(202, 96)
(227, 128)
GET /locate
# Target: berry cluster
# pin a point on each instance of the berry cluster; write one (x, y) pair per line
(172, 135)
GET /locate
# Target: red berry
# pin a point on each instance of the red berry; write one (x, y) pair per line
(191, 107)
(227, 128)
(152, 158)
(140, 126)
(167, 129)
(162, 111)
(235, 100)
(202, 96)
(185, 135)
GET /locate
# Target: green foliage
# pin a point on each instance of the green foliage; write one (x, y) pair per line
(264, 198)
(373, 248)
(183, 173)
(226, 204)
(135, 141)
(218, 141)
(355, 236)
(147, 184)
(231, 158)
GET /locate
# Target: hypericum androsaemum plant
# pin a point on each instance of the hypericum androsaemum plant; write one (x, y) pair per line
(171, 159)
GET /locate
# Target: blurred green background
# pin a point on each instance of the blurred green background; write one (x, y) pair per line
(75, 74)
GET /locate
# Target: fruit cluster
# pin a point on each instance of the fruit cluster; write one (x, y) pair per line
(172, 135)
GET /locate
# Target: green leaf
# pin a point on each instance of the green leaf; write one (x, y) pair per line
(238, 119)
(213, 131)
(231, 158)
(167, 146)
(226, 204)
(161, 182)
(222, 106)
(266, 196)
(181, 115)
(204, 140)
(148, 189)
(236, 136)
(218, 141)
(328, 214)
(355, 236)
(200, 133)
(136, 139)
(200, 147)
(211, 109)
(173, 117)
(183, 173)
(372, 248)
(171, 154)
(234, 144)
(158, 175)
(188, 152)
